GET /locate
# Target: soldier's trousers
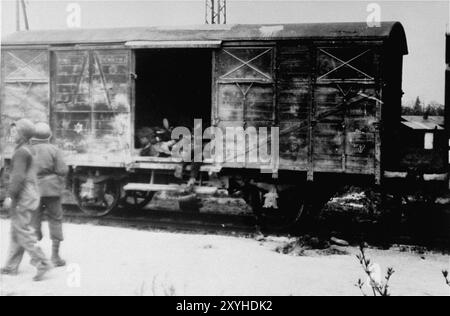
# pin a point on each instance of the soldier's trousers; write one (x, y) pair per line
(23, 239)
(52, 207)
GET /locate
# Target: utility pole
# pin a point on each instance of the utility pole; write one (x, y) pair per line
(17, 15)
(216, 12)
(20, 4)
(25, 16)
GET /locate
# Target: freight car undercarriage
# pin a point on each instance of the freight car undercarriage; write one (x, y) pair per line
(278, 203)
(98, 191)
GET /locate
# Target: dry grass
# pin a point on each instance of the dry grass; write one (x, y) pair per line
(161, 286)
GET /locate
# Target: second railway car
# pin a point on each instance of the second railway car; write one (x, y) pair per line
(447, 86)
(333, 91)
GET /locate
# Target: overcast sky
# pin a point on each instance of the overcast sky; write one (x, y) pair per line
(425, 24)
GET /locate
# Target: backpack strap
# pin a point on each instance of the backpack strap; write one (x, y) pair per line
(28, 150)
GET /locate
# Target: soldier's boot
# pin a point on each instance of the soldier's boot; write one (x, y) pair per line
(42, 270)
(34, 262)
(56, 259)
(9, 271)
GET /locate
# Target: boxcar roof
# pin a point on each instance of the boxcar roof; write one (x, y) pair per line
(210, 32)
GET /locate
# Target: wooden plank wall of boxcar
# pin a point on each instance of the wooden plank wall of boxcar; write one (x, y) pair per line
(24, 90)
(245, 96)
(326, 102)
(24, 94)
(295, 68)
(91, 105)
(346, 108)
(447, 88)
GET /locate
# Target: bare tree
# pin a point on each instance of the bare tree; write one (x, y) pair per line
(378, 288)
(445, 274)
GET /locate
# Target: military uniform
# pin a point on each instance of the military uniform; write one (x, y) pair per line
(51, 171)
(24, 193)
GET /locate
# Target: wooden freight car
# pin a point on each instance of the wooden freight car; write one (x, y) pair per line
(333, 90)
(447, 85)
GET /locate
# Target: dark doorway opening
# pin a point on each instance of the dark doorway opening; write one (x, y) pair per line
(173, 84)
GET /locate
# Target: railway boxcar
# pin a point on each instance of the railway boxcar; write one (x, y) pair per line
(333, 90)
(423, 145)
(447, 86)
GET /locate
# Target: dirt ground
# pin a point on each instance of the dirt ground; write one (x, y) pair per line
(117, 261)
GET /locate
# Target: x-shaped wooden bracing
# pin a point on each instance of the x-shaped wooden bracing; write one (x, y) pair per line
(345, 63)
(23, 96)
(20, 64)
(247, 63)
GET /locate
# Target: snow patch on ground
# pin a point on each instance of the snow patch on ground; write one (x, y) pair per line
(352, 200)
(117, 261)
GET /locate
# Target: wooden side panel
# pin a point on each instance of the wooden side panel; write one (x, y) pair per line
(294, 145)
(247, 102)
(345, 114)
(241, 146)
(344, 134)
(447, 91)
(245, 98)
(71, 79)
(111, 81)
(24, 91)
(91, 110)
(293, 100)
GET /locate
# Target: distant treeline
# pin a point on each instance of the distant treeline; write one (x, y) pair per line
(420, 108)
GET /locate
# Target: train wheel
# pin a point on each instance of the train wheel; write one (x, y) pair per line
(101, 205)
(137, 200)
(291, 207)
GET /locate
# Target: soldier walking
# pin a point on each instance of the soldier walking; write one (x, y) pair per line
(22, 201)
(51, 171)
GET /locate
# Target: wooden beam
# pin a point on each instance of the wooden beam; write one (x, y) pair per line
(168, 188)
(25, 15)
(17, 16)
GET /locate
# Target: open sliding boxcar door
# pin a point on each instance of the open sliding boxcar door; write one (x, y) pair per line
(347, 111)
(91, 105)
(244, 96)
(24, 91)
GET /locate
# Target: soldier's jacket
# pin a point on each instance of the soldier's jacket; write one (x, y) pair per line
(51, 168)
(23, 186)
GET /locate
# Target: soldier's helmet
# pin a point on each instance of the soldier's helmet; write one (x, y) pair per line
(42, 131)
(25, 128)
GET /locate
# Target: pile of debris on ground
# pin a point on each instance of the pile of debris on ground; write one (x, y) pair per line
(365, 214)
(309, 246)
(352, 211)
(360, 204)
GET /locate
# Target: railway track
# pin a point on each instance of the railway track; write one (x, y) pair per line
(199, 223)
(162, 220)
(171, 222)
